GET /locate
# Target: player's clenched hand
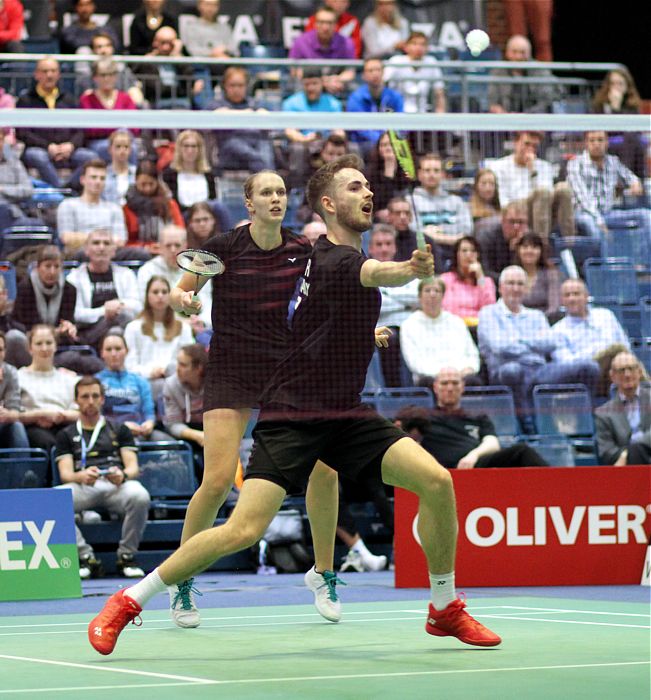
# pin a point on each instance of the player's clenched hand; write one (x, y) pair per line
(422, 263)
(189, 306)
(382, 334)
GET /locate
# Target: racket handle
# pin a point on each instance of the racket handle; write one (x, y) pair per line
(195, 298)
(420, 240)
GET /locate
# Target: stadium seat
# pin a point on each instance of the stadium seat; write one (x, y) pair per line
(631, 318)
(23, 468)
(556, 450)
(374, 375)
(389, 400)
(627, 242)
(611, 280)
(8, 271)
(642, 349)
(581, 247)
(645, 304)
(167, 472)
(79, 349)
(497, 403)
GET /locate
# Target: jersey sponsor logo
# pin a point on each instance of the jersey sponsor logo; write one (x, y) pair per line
(301, 290)
(291, 260)
(40, 538)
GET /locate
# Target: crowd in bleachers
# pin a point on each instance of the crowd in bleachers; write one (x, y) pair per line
(92, 220)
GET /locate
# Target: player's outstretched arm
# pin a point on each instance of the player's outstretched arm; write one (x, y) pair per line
(394, 274)
(181, 295)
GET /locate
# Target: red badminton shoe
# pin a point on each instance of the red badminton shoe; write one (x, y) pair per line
(454, 621)
(104, 630)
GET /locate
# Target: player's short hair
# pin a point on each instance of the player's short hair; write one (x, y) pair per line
(88, 380)
(321, 182)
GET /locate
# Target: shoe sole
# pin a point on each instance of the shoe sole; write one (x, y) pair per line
(314, 591)
(436, 632)
(185, 626)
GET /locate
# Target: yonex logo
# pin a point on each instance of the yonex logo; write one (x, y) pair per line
(431, 621)
(41, 550)
(97, 631)
(291, 259)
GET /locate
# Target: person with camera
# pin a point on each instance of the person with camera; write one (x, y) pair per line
(97, 460)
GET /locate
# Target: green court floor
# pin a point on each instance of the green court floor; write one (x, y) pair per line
(552, 649)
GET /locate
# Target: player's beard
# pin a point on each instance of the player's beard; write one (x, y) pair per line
(352, 218)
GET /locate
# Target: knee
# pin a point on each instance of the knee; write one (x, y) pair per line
(511, 373)
(436, 482)
(244, 534)
(562, 192)
(216, 484)
(541, 196)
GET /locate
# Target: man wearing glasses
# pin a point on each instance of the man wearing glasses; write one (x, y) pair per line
(624, 423)
(498, 240)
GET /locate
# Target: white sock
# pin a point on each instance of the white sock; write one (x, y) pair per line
(361, 548)
(146, 589)
(443, 592)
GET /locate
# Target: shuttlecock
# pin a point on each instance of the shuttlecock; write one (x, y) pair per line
(477, 40)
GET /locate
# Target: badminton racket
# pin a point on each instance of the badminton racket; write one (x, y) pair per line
(201, 264)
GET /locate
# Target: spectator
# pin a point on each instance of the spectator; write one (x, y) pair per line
(386, 177)
(617, 94)
(205, 35)
(15, 185)
(146, 22)
(385, 31)
(12, 26)
(78, 216)
(98, 462)
(149, 207)
(533, 17)
(102, 44)
(48, 150)
(400, 217)
(79, 33)
(47, 393)
(201, 225)
(127, 396)
(595, 178)
(485, 198)
(183, 396)
(516, 342)
(421, 334)
(467, 288)
(241, 148)
(524, 176)
(543, 288)
(333, 147)
(623, 424)
(346, 24)
(168, 85)
(459, 440)
(104, 96)
(585, 332)
(416, 84)
(155, 336)
(189, 175)
(107, 294)
(313, 230)
(172, 241)
(325, 42)
(120, 172)
(499, 240)
(12, 329)
(372, 97)
(12, 431)
(443, 217)
(8, 101)
(521, 97)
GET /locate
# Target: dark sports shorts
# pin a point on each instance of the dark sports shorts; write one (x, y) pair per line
(285, 451)
(229, 386)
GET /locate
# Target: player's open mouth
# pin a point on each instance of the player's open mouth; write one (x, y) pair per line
(276, 210)
(367, 208)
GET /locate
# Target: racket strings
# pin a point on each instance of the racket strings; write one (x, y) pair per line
(200, 262)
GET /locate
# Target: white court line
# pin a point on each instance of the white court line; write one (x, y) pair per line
(108, 669)
(582, 612)
(566, 622)
(94, 687)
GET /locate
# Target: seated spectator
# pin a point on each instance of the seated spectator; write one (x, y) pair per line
(172, 241)
(107, 294)
(127, 396)
(47, 394)
(523, 176)
(206, 35)
(596, 178)
(443, 217)
(623, 424)
(543, 288)
(12, 431)
(517, 342)
(399, 216)
(325, 42)
(183, 396)
(168, 85)
(98, 462)
(521, 97)
(146, 22)
(386, 177)
(586, 332)
(241, 148)
(485, 198)
(416, 85)
(12, 25)
(335, 146)
(372, 96)
(80, 32)
(155, 336)
(201, 225)
(120, 172)
(149, 207)
(617, 94)
(102, 44)
(15, 185)
(421, 334)
(78, 216)
(467, 288)
(189, 175)
(346, 24)
(48, 150)
(13, 330)
(458, 440)
(104, 96)
(313, 230)
(499, 240)
(8, 101)
(398, 303)
(385, 31)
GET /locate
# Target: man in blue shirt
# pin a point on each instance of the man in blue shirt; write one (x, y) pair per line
(373, 96)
